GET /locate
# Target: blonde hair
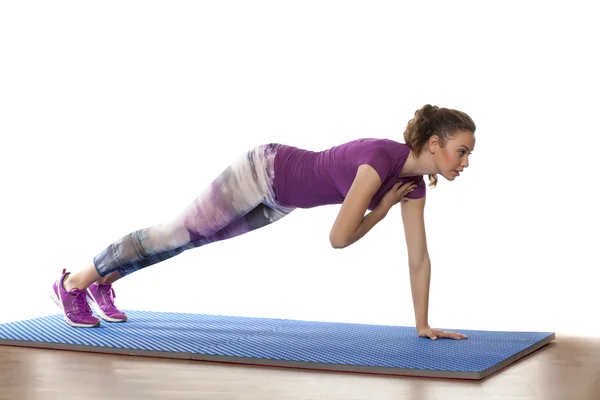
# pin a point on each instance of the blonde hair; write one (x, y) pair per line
(432, 120)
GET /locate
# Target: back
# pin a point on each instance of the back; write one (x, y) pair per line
(305, 178)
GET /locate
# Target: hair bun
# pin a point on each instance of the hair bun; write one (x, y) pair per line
(429, 110)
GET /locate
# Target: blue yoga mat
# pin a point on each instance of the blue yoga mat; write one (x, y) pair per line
(330, 346)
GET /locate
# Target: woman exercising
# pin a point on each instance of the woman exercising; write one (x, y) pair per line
(269, 182)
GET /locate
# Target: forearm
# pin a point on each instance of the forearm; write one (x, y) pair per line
(419, 280)
(366, 224)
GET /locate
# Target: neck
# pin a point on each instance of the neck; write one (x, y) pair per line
(422, 165)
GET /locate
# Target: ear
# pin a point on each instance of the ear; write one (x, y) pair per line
(434, 143)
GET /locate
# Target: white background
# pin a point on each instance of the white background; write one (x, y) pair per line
(115, 115)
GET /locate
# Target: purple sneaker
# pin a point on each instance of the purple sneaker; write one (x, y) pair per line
(101, 296)
(76, 310)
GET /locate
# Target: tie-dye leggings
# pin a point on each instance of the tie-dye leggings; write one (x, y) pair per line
(238, 201)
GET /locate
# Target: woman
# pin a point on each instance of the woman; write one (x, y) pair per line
(272, 180)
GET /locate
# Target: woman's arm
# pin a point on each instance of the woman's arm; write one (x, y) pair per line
(413, 217)
(351, 223)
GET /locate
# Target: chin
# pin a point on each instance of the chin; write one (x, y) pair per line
(450, 176)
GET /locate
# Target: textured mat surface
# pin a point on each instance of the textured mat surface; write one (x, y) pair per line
(286, 343)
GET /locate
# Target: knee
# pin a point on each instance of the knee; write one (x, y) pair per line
(161, 238)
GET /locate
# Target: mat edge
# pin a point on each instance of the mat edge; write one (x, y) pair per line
(518, 356)
(94, 349)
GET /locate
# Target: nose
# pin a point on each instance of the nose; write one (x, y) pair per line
(465, 162)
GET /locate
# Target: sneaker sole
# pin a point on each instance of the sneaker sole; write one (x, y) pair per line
(67, 320)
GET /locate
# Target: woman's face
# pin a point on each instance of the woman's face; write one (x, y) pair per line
(454, 156)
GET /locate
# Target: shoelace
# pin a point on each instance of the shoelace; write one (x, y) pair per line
(80, 304)
(108, 293)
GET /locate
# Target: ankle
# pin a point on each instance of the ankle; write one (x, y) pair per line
(110, 278)
(71, 282)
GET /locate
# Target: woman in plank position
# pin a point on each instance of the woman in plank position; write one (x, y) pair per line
(269, 182)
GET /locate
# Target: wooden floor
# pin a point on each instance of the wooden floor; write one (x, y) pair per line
(569, 368)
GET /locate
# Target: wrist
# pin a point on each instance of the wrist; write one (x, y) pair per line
(382, 209)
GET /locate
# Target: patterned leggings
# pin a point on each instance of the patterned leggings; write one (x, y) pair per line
(238, 201)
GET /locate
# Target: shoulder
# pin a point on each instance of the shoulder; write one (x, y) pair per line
(419, 191)
(397, 153)
(387, 153)
(375, 153)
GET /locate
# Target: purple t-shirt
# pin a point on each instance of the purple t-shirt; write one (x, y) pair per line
(306, 179)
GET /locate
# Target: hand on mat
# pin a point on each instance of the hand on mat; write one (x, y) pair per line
(433, 334)
(397, 193)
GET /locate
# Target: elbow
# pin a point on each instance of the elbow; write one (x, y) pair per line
(338, 242)
(418, 264)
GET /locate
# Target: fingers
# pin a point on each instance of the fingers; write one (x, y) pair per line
(406, 189)
(451, 335)
(406, 185)
(434, 334)
(399, 191)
